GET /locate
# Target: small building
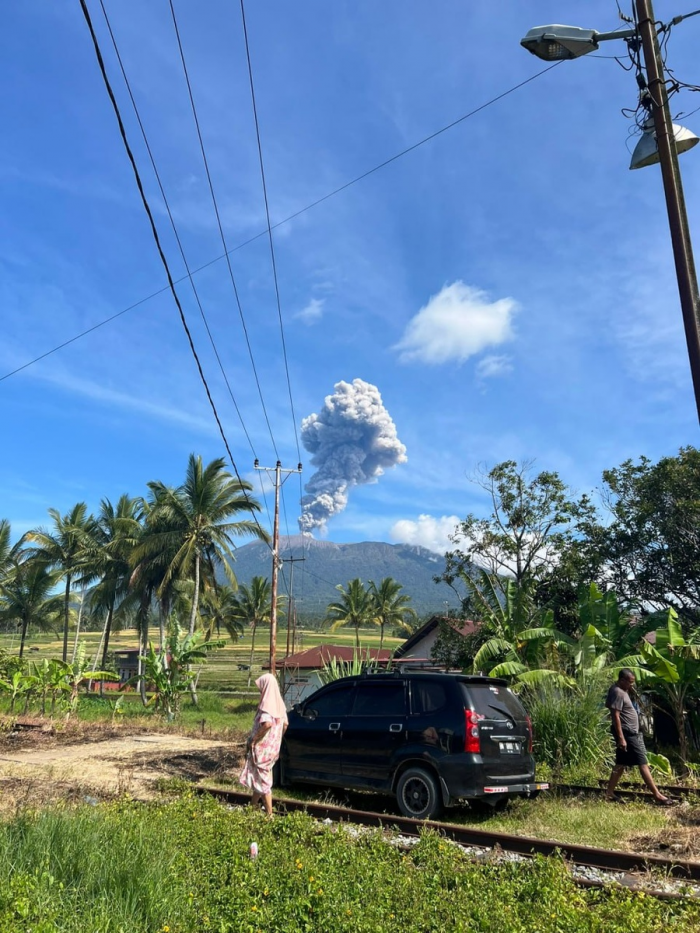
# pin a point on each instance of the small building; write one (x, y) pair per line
(300, 673)
(416, 651)
(126, 661)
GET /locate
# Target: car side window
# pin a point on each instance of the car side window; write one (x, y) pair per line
(427, 697)
(331, 702)
(380, 700)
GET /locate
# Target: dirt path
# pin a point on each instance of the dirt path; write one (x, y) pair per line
(130, 764)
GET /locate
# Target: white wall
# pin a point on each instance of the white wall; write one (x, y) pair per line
(298, 685)
(422, 648)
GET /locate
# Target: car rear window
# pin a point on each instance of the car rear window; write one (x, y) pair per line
(380, 700)
(427, 696)
(493, 701)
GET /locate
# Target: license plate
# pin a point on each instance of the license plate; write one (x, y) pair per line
(509, 748)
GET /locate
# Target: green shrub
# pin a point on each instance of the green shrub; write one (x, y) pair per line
(570, 726)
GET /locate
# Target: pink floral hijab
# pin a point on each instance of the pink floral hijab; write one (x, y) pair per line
(271, 701)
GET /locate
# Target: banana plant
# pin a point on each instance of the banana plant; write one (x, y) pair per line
(608, 632)
(77, 673)
(670, 668)
(168, 673)
(17, 685)
(519, 632)
(43, 675)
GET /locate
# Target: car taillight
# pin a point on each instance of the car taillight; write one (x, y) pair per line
(472, 740)
(529, 734)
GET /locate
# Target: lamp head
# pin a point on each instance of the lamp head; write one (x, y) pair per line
(558, 43)
(646, 151)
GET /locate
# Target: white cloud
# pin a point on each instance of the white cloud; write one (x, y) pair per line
(457, 323)
(492, 366)
(428, 532)
(313, 312)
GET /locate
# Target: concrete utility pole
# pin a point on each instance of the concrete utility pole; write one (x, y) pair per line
(673, 188)
(291, 608)
(278, 471)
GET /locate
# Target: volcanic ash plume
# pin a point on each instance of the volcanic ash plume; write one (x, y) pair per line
(353, 440)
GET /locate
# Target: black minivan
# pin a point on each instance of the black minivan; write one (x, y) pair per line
(430, 739)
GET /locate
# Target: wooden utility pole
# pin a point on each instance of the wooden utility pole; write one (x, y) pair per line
(278, 471)
(673, 188)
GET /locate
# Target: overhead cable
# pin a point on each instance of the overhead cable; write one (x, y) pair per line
(272, 254)
(269, 227)
(227, 252)
(291, 217)
(163, 258)
(173, 225)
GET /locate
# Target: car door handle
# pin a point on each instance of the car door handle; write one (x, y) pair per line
(334, 726)
(396, 727)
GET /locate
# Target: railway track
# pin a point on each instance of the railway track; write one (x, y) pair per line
(625, 866)
(626, 791)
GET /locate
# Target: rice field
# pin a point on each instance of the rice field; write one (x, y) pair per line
(226, 670)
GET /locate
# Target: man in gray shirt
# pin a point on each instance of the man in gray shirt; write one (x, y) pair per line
(629, 741)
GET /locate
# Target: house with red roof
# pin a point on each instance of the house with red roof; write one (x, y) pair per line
(417, 650)
(300, 673)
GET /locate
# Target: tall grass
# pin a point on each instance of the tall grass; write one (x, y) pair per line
(184, 867)
(60, 861)
(571, 730)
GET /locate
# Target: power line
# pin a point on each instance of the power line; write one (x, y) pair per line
(163, 259)
(269, 227)
(180, 246)
(272, 252)
(173, 225)
(293, 216)
(219, 223)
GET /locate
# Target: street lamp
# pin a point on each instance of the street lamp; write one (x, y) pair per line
(559, 43)
(646, 152)
(661, 142)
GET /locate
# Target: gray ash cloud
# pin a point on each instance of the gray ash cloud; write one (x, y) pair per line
(352, 440)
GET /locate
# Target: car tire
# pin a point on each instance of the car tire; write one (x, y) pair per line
(418, 794)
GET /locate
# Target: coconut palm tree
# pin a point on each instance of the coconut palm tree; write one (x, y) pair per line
(388, 606)
(117, 533)
(25, 598)
(67, 548)
(153, 554)
(218, 609)
(194, 523)
(251, 606)
(9, 554)
(354, 608)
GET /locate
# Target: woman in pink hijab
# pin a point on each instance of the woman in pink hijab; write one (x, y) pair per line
(264, 741)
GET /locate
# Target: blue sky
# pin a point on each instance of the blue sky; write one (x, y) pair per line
(508, 287)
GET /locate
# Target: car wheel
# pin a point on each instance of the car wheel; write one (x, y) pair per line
(418, 794)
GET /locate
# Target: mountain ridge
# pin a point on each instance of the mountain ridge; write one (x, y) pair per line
(328, 564)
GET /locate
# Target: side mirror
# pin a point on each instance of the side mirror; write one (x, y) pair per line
(310, 714)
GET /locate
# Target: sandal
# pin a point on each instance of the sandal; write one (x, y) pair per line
(667, 802)
(616, 799)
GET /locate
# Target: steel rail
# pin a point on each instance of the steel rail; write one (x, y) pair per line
(625, 791)
(587, 856)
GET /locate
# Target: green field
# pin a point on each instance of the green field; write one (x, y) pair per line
(221, 672)
(225, 700)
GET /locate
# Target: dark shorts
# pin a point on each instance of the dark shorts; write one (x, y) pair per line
(636, 753)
